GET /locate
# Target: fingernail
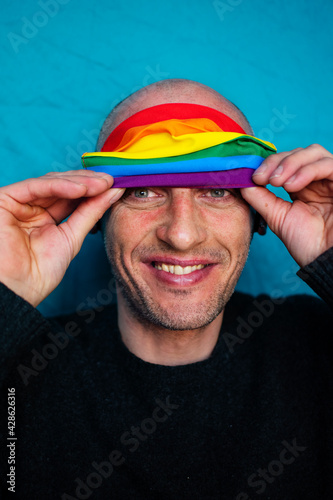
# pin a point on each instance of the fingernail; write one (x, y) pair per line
(289, 181)
(101, 174)
(277, 172)
(115, 194)
(260, 170)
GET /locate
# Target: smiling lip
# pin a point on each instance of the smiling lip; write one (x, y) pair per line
(174, 261)
(181, 272)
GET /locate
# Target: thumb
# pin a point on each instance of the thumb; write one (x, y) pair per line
(272, 208)
(86, 216)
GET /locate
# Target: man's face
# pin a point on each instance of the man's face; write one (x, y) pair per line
(177, 253)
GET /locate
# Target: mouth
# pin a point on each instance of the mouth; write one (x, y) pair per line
(178, 272)
(178, 269)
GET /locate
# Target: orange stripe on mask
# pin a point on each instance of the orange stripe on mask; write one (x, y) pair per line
(174, 127)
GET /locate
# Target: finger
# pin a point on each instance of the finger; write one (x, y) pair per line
(76, 173)
(34, 190)
(262, 173)
(63, 208)
(60, 209)
(287, 166)
(321, 170)
(87, 214)
(94, 186)
(268, 205)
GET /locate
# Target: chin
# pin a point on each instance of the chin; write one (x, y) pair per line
(179, 317)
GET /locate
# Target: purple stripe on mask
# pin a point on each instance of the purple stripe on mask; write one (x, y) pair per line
(237, 178)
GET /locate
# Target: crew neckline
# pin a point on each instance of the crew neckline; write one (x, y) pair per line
(176, 373)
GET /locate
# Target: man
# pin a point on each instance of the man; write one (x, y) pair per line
(171, 393)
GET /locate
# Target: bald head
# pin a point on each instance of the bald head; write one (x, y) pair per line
(170, 91)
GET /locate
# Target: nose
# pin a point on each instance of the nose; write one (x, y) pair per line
(182, 226)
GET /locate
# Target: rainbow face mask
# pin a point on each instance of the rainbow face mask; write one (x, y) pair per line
(179, 145)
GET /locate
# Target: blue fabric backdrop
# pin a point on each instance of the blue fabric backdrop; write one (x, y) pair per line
(66, 63)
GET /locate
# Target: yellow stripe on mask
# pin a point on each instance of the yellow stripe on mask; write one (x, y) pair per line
(164, 145)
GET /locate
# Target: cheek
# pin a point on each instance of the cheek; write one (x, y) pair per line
(127, 228)
(232, 227)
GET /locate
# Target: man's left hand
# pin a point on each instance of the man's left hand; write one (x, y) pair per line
(305, 225)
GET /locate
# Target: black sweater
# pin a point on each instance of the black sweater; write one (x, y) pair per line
(94, 421)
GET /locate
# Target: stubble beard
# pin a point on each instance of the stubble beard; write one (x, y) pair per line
(183, 316)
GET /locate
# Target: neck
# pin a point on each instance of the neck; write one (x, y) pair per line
(161, 346)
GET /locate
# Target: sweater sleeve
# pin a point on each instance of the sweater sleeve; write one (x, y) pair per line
(20, 323)
(319, 276)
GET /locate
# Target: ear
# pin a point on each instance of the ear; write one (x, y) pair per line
(97, 227)
(259, 225)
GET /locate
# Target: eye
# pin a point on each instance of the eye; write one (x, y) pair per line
(141, 193)
(220, 196)
(143, 196)
(217, 193)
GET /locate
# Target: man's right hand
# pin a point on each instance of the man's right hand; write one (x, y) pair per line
(36, 247)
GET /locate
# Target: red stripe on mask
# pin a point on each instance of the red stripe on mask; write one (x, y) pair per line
(166, 112)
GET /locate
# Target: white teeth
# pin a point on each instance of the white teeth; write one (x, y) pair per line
(179, 270)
